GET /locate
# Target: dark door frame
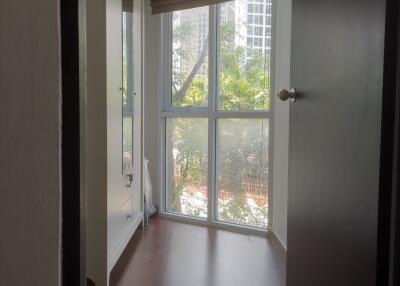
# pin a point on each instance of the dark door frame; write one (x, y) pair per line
(388, 248)
(71, 196)
(388, 268)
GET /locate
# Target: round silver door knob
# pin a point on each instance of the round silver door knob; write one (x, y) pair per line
(284, 94)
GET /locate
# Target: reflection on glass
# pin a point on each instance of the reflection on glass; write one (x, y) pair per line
(127, 94)
(244, 49)
(186, 154)
(190, 57)
(242, 171)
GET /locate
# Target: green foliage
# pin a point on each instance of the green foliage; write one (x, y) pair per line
(189, 137)
(243, 75)
(197, 94)
(239, 212)
(182, 31)
(243, 84)
(244, 81)
(177, 189)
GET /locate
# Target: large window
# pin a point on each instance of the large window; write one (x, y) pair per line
(216, 113)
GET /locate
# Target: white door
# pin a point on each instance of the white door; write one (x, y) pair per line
(138, 107)
(124, 156)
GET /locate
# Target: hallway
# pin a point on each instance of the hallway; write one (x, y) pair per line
(169, 253)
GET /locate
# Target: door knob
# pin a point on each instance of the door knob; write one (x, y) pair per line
(284, 95)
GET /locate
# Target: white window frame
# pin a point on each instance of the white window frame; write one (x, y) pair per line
(166, 110)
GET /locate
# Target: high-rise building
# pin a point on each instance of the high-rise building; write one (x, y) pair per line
(251, 22)
(190, 40)
(258, 26)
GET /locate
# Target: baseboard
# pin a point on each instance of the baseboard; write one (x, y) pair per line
(278, 245)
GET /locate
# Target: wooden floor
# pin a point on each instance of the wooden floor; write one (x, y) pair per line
(168, 253)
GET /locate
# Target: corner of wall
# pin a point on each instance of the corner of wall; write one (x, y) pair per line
(152, 83)
(282, 33)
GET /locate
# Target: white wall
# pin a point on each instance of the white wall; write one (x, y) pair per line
(30, 185)
(152, 89)
(281, 120)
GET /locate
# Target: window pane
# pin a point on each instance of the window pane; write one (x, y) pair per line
(244, 55)
(242, 171)
(186, 154)
(190, 57)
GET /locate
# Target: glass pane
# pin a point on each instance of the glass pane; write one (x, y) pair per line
(127, 93)
(244, 55)
(190, 57)
(186, 154)
(242, 171)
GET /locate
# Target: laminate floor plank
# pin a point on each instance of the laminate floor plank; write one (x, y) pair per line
(169, 253)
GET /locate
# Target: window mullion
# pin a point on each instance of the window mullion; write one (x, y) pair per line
(167, 80)
(212, 83)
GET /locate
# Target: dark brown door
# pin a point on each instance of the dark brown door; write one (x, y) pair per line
(337, 68)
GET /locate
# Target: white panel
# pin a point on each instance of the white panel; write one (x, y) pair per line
(117, 193)
(137, 83)
(122, 200)
(109, 200)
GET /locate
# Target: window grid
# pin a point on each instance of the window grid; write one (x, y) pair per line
(258, 42)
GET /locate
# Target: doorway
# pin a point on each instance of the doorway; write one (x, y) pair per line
(68, 171)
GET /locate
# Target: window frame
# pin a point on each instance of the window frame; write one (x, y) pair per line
(212, 113)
